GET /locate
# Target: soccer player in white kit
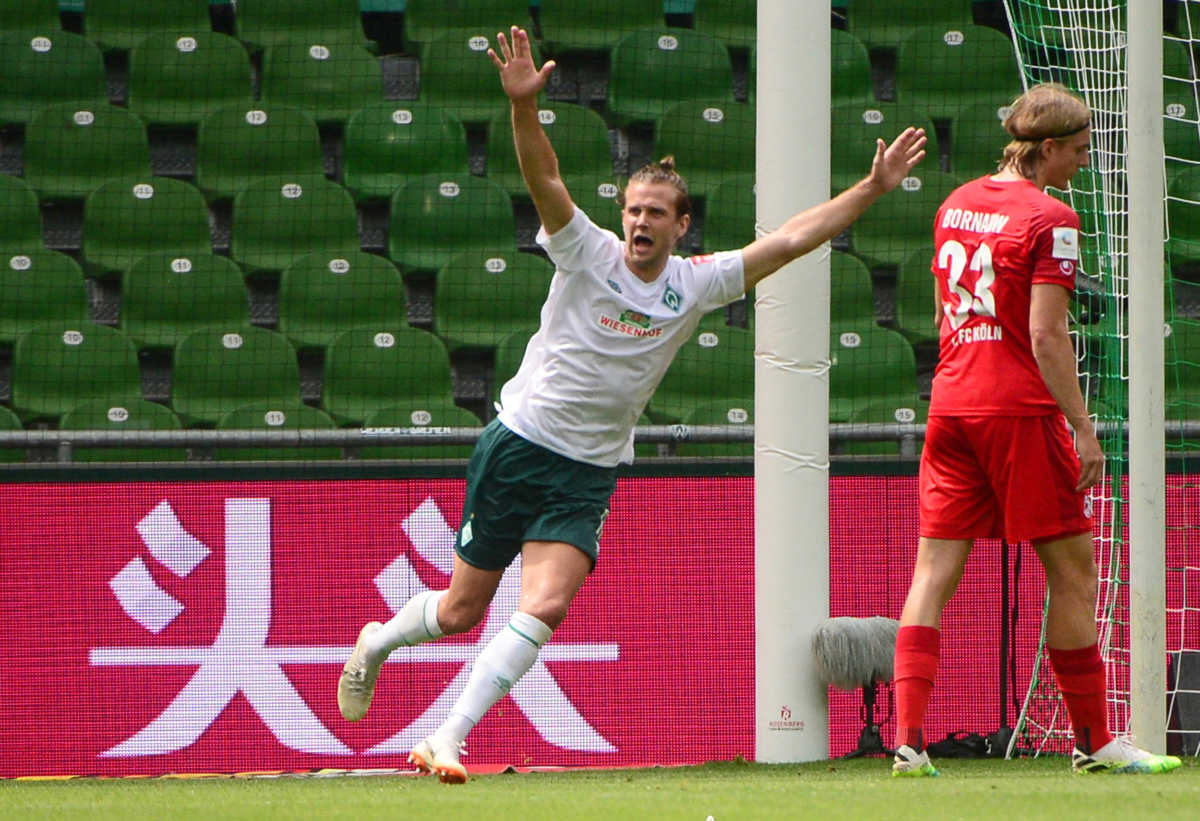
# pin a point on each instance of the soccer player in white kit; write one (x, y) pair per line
(540, 477)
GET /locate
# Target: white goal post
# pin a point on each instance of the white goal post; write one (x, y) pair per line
(791, 447)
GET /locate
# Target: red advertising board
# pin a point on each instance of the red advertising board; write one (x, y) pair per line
(201, 627)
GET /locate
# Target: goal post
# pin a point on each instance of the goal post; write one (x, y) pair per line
(791, 462)
(1147, 455)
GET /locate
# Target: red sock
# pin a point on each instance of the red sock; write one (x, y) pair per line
(1080, 675)
(915, 666)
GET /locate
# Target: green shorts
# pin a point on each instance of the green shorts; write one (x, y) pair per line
(518, 492)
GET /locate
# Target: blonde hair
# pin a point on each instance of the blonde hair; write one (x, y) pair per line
(664, 172)
(1047, 111)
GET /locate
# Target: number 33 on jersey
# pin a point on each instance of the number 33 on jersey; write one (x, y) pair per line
(993, 241)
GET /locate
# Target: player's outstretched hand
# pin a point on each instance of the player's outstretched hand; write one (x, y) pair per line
(893, 162)
(520, 78)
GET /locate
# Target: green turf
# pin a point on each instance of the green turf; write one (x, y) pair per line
(861, 789)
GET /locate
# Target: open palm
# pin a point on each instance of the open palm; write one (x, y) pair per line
(520, 78)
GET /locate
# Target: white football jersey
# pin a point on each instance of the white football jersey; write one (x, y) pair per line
(605, 341)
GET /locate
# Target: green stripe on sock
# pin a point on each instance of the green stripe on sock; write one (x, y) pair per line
(522, 635)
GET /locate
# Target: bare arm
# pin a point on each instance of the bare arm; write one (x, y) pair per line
(539, 165)
(1056, 362)
(808, 229)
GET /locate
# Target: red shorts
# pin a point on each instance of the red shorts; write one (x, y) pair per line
(1010, 477)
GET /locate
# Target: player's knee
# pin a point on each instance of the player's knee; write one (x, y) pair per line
(459, 615)
(549, 610)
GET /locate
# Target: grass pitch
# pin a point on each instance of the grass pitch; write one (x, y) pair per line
(859, 789)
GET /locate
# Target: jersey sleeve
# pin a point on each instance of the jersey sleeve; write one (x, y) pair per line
(578, 245)
(1055, 242)
(718, 279)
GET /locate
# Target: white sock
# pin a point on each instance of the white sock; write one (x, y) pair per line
(415, 623)
(506, 658)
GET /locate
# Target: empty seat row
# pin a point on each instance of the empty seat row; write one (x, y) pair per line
(565, 26)
(275, 222)
(215, 370)
(481, 296)
(119, 25)
(181, 79)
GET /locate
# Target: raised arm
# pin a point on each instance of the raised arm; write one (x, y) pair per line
(808, 229)
(522, 82)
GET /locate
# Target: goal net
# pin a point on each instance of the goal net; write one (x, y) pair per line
(1083, 44)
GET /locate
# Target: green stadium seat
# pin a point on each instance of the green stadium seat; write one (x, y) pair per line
(509, 352)
(369, 369)
(568, 25)
(387, 144)
(266, 23)
(242, 145)
(977, 139)
(897, 410)
(597, 197)
(43, 68)
(421, 414)
(1183, 223)
(180, 78)
(321, 295)
(328, 79)
(274, 225)
(427, 20)
(126, 219)
(70, 151)
(256, 416)
(1181, 120)
(851, 293)
(902, 220)
(118, 25)
(457, 76)
(1182, 358)
(710, 141)
(122, 415)
(850, 70)
(724, 412)
(60, 365)
(854, 130)
(655, 68)
(482, 296)
(217, 370)
(915, 316)
(578, 134)
(885, 24)
(733, 22)
(10, 421)
(869, 365)
(166, 296)
(20, 217)
(944, 70)
(436, 216)
(30, 14)
(729, 214)
(717, 363)
(39, 287)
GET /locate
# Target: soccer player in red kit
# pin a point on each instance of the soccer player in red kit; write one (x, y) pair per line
(999, 460)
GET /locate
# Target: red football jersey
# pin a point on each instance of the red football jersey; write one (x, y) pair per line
(993, 241)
